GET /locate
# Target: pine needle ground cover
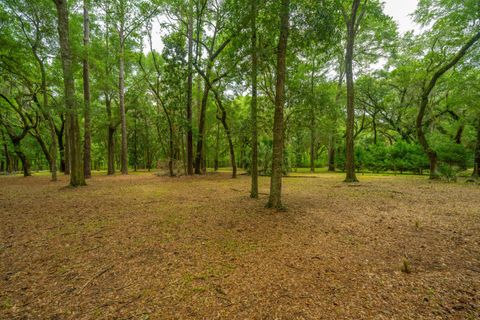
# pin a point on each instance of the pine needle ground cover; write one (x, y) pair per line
(149, 247)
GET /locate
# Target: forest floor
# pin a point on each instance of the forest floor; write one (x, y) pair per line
(148, 247)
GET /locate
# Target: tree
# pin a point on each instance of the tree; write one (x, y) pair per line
(190, 90)
(253, 114)
(77, 177)
(442, 13)
(352, 21)
(87, 134)
(275, 198)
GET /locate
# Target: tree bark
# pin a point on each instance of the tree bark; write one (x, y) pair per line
(121, 91)
(476, 160)
(61, 148)
(275, 198)
(223, 120)
(312, 119)
(87, 133)
(110, 138)
(23, 159)
(8, 167)
(66, 153)
(217, 140)
(331, 154)
(190, 91)
(253, 106)
(199, 158)
(77, 177)
(350, 125)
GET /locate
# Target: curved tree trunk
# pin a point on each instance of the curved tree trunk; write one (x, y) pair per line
(223, 120)
(23, 158)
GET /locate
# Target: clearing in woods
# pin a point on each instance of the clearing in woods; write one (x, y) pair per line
(149, 247)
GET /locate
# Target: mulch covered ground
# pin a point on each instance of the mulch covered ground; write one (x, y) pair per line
(149, 247)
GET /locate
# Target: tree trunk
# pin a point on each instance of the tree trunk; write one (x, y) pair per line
(223, 119)
(350, 125)
(66, 153)
(476, 161)
(275, 198)
(312, 149)
(111, 151)
(171, 150)
(331, 154)
(312, 119)
(22, 157)
(253, 107)
(87, 134)
(46, 152)
(121, 91)
(199, 158)
(77, 177)
(61, 148)
(217, 140)
(8, 167)
(190, 91)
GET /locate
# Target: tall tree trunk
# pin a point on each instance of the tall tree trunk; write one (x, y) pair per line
(87, 133)
(190, 91)
(121, 90)
(349, 136)
(77, 177)
(253, 107)
(275, 199)
(199, 157)
(110, 138)
(312, 119)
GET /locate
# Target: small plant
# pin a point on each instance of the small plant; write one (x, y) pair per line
(417, 224)
(448, 173)
(406, 268)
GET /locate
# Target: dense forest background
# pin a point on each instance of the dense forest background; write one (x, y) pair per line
(82, 87)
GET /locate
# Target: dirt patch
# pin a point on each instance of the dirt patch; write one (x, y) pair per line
(149, 247)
